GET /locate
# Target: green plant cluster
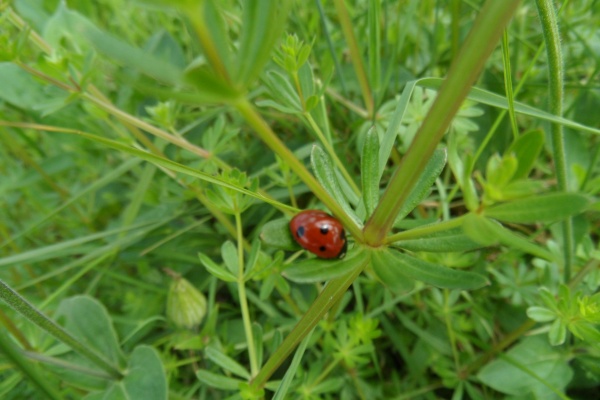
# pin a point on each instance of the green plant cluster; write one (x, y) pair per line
(152, 154)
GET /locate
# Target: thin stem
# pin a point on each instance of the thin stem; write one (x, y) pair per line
(243, 299)
(332, 153)
(266, 134)
(547, 14)
(357, 61)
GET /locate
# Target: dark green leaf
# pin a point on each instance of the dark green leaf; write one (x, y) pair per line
(526, 148)
(531, 369)
(217, 381)
(146, 377)
(489, 232)
(443, 241)
(423, 186)
(320, 270)
(390, 273)
(544, 208)
(436, 275)
(369, 170)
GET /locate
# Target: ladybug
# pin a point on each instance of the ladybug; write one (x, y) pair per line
(319, 233)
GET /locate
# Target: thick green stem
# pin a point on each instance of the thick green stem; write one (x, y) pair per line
(465, 69)
(27, 310)
(549, 23)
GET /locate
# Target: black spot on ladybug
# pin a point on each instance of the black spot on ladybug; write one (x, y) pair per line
(300, 232)
(343, 235)
(324, 230)
(322, 248)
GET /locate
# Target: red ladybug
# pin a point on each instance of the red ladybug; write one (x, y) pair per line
(319, 233)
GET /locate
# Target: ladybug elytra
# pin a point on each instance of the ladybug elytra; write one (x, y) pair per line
(319, 233)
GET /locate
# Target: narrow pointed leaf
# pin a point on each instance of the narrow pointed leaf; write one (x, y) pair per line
(320, 270)
(390, 273)
(216, 269)
(226, 362)
(369, 170)
(545, 208)
(437, 275)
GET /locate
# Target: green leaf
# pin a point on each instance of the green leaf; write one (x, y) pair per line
(325, 173)
(389, 137)
(290, 372)
(544, 208)
(500, 170)
(263, 22)
(86, 319)
(541, 314)
(526, 148)
(218, 381)
(389, 272)
(226, 362)
(422, 187)
(230, 257)
(283, 92)
(558, 332)
(208, 85)
(20, 88)
(531, 369)
(216, 270)
(443, 241)
(320, 270)
(68, 23)
(146, 377)
(434, 274)
(369, 170)
(276, 233)
(252, 258)
(489, 232)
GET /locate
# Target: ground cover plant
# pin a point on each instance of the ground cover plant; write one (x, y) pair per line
(153, 153)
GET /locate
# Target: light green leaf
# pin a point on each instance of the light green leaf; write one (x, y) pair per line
(226, 362)
(230, 257)
(325, 173)
(217, 381)
(216, 269)
(541, 314)
(276, 233)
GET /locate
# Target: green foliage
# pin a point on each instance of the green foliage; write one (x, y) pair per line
(135, 135)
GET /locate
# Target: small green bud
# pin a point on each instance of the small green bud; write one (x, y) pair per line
(186, 306)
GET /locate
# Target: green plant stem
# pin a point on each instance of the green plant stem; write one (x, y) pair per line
(326, 299)
(508, 85)
(330, 150)
(357, 61)
(547, 15)
(26, 367)
(241, 283)
(27, 310)
(266, 134)
(484, 35)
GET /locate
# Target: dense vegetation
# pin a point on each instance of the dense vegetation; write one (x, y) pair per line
(152, 154)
